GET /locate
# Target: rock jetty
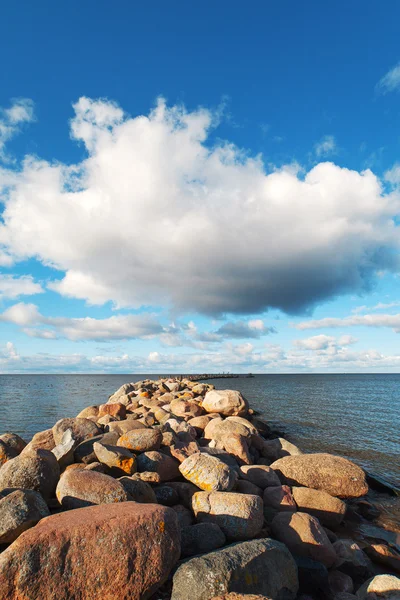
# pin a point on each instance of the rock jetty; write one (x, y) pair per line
(173, 490)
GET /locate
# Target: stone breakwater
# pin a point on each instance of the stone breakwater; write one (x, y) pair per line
(174, 490)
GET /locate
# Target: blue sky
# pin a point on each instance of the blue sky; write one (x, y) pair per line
(199, 188)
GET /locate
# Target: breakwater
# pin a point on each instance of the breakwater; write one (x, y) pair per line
(181, 470)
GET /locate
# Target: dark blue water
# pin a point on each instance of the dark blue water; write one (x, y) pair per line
(356, 416)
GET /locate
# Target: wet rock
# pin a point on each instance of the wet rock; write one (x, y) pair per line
(208, 473)
(116, 409)
(304, 536)
(260, 475)
(279, 498)
(260, 566)
(166, 495)
(240, 516)
(138, 490)
(333, 474)
(225, 402)
(105, 552)
(141, 440)
(14, 441)
(200, 538)
(120, 460)
(81, 429)
(81, 488)
(329, 510)
(35, 470)
(384, 555)
(381, 587)
(166, 467)
(20, 510)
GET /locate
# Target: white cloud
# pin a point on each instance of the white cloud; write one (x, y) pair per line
(21, 111)
(393, 174)
(379, 306)
(390, 321)
(326, 146)
(12, 286)
(155, 216)
(391, 81)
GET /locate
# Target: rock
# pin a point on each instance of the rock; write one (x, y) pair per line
(141, 440)
(246, 487)
(245, 422)
(275, 449)
(340, 583)
(200, 423)
(237, 445)
(14, 441)
(106, 420)
(260, 566)
(80, 488)
(352, 560)
(225, 402)
(114, 551)
(260, 475)
(20, 510)
(200, 538)
(185, 492)
(43, 440)
(84, 452)
(147, 477)
(121, 427)
(64, 452)
(328, 510)
(220, 430)
(333, 474)
(166, 467)
(166, 495)
(90, 411)
(98, 467)
(82, 429)
(381, 587)
(113, 410)
(240, 516)
(234, 596)
(279, 498)
(313, 576)
(182, 450)
(384, 555)
(185, 516)
(120, 460)
(6, 453)
(304, 536)
(35, 470)
(208, 473)
(222, 455)
(185, 408)
(138, 490)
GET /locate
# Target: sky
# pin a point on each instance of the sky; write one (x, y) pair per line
(190, 188)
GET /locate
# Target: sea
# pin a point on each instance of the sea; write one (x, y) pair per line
(353, 415)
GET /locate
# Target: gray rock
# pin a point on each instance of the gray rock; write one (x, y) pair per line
(139, 491)
(20, 510)
(84, 452)
(34, 470)
(166, 495)
(257, 567)
(156, 462)
(82, 429)
(200, 538)
(64, 452)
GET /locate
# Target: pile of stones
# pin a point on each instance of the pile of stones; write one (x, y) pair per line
(173, 489)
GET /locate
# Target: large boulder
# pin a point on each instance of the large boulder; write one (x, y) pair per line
(240, 516)
(303, 535)
(260, 566)
(119, 460)
(81, 429)
(34, 470)
(80, 488)
(328, 509)
(141, 440)
(221, 429)
(185, 408)
(333, 474)
(114, 551)
(208, 473)
(381, 587)
(42, 440)
(225, 402)
(201, 538)
(19, 510)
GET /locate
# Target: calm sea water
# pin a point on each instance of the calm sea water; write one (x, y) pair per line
(356, 416)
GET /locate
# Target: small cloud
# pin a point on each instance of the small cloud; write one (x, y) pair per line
(393, 174)
(327, 145)
(21, 111)
(265, 127)
(390, 82)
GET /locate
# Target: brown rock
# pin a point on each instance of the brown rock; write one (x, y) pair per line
(14, 441)
(35, 470)
(328, 509)
(6, 453)
(81, 429)
(182, 450)
(275, 449)
(384, 555)
(240, 516)
(304, 536)
(98, 467)
(148, 477)
(20, 510)
(141, 440)
(220, 430)
(185, 408)
(235, 596)
(43, 440)
(225, 402)
(120, 460)
(200, 423)
(85, 453)
(114, 551)
(280, 498)
(80, 488)
(166, 467)
(138, 490)
(113, 410)
(208, 473)
(122, 427)
(237, 445)
(333, 474)
(89, 411)
(260, 475)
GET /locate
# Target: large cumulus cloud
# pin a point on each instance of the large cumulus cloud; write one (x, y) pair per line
(154, 215)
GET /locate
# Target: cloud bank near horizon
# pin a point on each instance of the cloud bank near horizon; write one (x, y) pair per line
(157, 216)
